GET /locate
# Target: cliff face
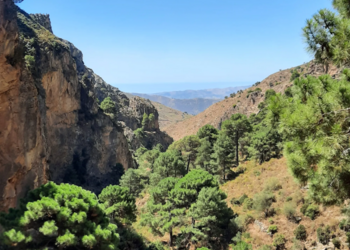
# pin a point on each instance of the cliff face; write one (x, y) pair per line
(51, 127)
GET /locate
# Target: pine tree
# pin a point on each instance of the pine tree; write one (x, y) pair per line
(223, 155)
(119, 204)
(62, 216)
(204, 156)
(315, 126)
(169, 164)
(235, 129)
(162, 216)
(208, 132)
(132, 180)
(188, 146)
(211, 215)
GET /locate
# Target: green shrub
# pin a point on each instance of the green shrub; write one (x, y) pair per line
(242, 198)
(242, 246)
(139, 133)
(289, 198)
(108, 106)
(269, 93)
(344, 225)
(29, 60)
(348, 238)
(156, 246)
(279, 241)
(323, 234)
(289, 209)
(272, 229)
(297, 245)
(272, 184)
(263, 202)
(295, 75)
(248, 204)
(336, 242)
(300, 233)
(243, 220)
(271, 221)
(265, 247)
(312, 211)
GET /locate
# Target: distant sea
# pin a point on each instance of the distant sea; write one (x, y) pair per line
(149, 88)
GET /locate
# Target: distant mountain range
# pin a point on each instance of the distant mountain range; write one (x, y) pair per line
(190, 101)
(204, 93)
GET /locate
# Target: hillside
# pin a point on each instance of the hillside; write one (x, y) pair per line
(217, 93)
(169, 116)
(243, 103)
(191, 106)
(252, 181)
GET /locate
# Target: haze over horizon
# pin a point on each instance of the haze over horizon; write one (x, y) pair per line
(156, 46)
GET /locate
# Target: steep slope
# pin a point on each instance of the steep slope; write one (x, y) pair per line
(51, 127)
(169, 116)
(191, 106)
(246, 103)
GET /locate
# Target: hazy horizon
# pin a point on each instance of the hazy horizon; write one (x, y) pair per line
(148, 88)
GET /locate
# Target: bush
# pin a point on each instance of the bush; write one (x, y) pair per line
(272, 184)
(300, 233)
(344, 225)
(336, 242)
(289, 209)
(297, 245)
(242, 246)
(269, 93)
(279, 241)
(139, 133)
(348, 238)
(312, 211)
(323, 235)
(248, 204)
(156, 246)
(265, 247)
(271, 221)
(29, 60)
(272, 229)
(240, 200)
(263, 202)
(289, 198)
(108, 106)
(243, 220)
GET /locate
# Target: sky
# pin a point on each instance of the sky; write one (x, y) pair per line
(167, 45)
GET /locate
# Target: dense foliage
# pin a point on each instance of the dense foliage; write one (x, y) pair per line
(63, 215)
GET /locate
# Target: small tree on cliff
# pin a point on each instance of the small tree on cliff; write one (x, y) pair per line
(108, 106)
(63, 216)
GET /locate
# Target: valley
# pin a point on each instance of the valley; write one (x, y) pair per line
(85, 166)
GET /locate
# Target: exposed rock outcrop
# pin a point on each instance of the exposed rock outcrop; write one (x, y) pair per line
(43, 20)
(51, 126)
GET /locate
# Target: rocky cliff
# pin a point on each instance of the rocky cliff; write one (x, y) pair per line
(51, 126)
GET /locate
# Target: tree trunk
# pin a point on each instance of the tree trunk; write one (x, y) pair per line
(224, 171)
(171, 237)
(188, 164)
(237, 156)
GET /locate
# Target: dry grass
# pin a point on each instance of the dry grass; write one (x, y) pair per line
(250, 184)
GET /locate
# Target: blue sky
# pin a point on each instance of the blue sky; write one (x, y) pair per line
(162, 45)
